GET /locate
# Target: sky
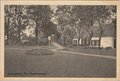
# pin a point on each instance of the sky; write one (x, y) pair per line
(54, 8)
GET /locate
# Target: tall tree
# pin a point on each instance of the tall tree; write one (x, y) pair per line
(41, 14)
(6, 22)
(84, 15)
(66, 22)
(20, 16)
(15, 22)
(89, 14)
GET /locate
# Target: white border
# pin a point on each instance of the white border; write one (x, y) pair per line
(57, 3)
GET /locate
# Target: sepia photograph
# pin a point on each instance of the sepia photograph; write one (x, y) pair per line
(60, 41)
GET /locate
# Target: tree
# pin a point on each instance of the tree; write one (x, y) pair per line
(41, 14)
(102, 14)
(66, 22)
(7, 17)
(84, 15)
(15, 22)
(89, 14)
(20, 18)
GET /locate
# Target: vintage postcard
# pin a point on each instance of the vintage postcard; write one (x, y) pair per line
(60, 40)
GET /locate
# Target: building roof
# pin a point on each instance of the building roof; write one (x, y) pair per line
(109, 30)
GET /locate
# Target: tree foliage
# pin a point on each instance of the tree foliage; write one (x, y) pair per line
(66, 22)
(72, 20)
(83, 17)
(15, 22)
(41, 14)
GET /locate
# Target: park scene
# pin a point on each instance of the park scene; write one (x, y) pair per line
(60, 41)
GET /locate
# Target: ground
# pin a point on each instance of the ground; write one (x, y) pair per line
(61, 64)
(96, 51)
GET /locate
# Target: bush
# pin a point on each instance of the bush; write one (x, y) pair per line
(39, 52)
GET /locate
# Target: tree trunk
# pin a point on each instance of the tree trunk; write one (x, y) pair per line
(71, 41)
(19, 36)
(89, 42)
(99, 43)
(63, 40)
(72, 36)
(90, 32)
(7, 31)
(36, 34)
(8, 37)
(79, 38)
(19, 31)
(91, 35)
(100, 35)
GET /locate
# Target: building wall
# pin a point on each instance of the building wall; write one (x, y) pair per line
(107, 42)
(94, 42)
(75, 41)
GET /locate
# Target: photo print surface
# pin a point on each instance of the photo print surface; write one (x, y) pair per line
(60, 41)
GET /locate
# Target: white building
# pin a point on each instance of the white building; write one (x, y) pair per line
(105, 42)
(108, 38)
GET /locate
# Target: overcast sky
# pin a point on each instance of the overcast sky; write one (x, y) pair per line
(54, 8)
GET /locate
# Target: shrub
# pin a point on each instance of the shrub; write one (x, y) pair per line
(39, 52)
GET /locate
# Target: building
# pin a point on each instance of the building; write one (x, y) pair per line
(108, 38)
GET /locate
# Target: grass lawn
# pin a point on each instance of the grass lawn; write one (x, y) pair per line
(110, 52)
(20, 64)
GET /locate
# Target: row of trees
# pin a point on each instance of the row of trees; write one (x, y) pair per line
(19, 17)
(72, 19)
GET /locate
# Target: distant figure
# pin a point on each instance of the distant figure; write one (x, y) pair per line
(49, 39)
(23, 42)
